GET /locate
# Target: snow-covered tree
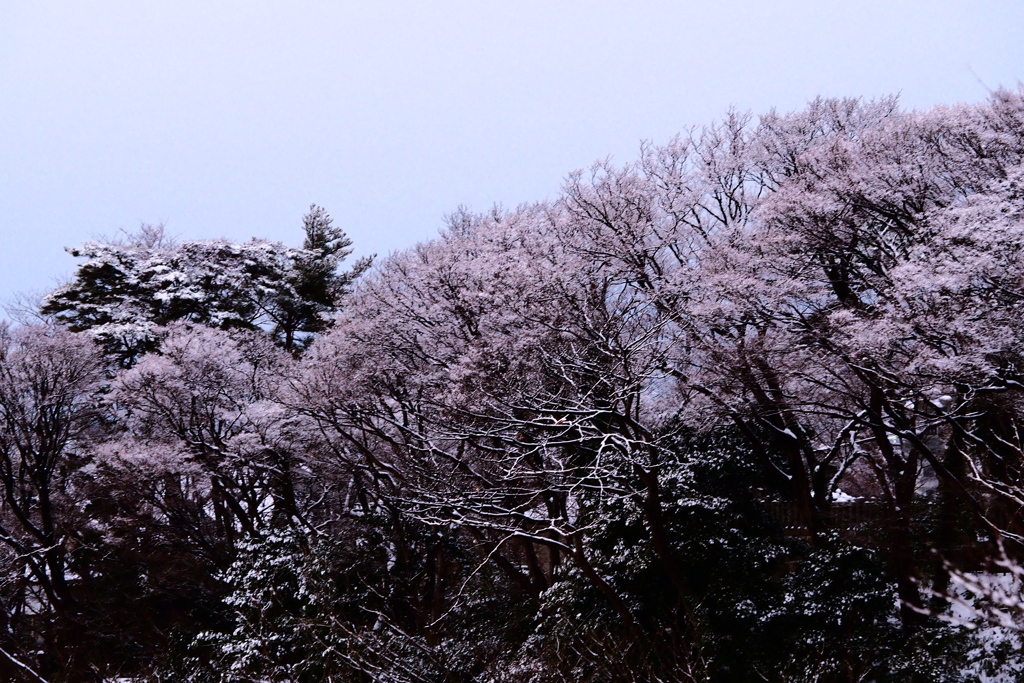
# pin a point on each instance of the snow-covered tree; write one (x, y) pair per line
(316, 285)
(202, 411)
(50, 417)
(128, 290)
(772, 277)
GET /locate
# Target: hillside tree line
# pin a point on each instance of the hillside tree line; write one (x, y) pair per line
(746, 408)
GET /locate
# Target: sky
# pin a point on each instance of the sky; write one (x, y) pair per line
(228, 119)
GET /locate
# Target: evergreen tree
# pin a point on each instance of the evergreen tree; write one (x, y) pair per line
(316, 286)
(128, 289)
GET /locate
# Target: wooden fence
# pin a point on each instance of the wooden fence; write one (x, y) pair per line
(861, 522)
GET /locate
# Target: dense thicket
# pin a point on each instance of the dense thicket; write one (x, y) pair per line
(746, 409)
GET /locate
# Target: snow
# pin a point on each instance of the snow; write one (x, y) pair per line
(838, 496)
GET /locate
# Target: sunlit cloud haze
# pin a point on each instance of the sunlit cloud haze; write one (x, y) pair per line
(229, 119)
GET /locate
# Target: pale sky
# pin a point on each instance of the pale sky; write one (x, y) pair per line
(230, 118)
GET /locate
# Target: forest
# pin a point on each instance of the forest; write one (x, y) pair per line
(747, 408)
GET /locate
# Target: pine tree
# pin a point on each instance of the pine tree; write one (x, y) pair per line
(316, 284)
(129, 289)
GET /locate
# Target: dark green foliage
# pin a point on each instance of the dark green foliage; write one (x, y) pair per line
(128, 289)
(757, 606)
(372, 601)
(835, 616)
(316, 285)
